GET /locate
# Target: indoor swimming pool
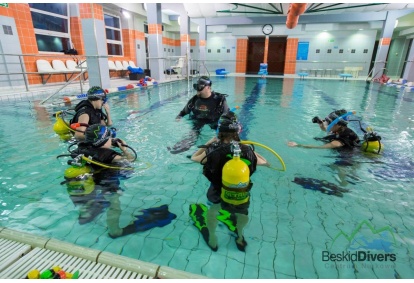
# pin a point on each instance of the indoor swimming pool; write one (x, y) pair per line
(329, 215)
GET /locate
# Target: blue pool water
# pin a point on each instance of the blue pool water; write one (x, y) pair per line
(360, 226)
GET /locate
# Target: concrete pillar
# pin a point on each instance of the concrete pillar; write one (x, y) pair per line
(155, 49)
(202, 38)
(202, 43)
(385, 41)
(185, 40)
(409, 66)
(94, 38)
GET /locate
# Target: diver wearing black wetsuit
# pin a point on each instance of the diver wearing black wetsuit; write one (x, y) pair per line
(347, 137)
(89, 112)
(205, 107)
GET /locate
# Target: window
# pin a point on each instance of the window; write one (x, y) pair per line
(51, 25)
(113, 35)
(318, 51)
(7, 30)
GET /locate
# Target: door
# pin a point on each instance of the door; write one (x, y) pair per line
(276, 55)
(255, 54)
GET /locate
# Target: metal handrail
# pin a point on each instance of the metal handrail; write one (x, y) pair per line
(22, 66)
(66, 84)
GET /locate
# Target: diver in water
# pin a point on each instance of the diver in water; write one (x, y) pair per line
(98, 144)
(214, 155)
(341, 137)
(96, 186)
(89, 111)
(204, 108)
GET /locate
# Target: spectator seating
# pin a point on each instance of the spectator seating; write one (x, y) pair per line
(58, 65)
(45, 69)
(125, 65)
(73, 66)
(180, 64)
(112, 67)
(121, 68)
(132, 64)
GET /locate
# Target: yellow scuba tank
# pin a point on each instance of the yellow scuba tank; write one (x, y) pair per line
(84, 186)
(235, 179)
(61, 128)
(74, 171)
(79, 181)
(372, 142)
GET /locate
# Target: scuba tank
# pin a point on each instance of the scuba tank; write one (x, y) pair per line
(235, 179)
(372, 142)
(78, 177)
(61, 128)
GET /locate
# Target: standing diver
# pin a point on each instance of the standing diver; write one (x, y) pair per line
(89, 111)
(229, 191)
(205, 107)
(99, 188)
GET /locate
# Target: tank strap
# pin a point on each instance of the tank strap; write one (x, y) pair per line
(245, 189)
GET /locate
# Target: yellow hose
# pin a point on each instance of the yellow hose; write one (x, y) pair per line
(272, 151)
(113, 167)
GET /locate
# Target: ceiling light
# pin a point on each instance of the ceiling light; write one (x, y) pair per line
(125, 13)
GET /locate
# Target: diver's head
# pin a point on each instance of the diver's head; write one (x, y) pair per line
(96, 93)
(228, 127)
(202, 83)
(97, 135)
(335, 114)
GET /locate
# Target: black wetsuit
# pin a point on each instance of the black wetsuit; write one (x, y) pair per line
(102, 155)
(206, 110)
(217, 156)
(348, 138)
(202, 111)
(86, 107)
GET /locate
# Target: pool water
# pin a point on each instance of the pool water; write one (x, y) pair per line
(329, 215)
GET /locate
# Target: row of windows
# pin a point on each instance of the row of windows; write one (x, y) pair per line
(52, 29)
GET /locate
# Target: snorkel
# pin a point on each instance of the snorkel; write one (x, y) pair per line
(334, 122)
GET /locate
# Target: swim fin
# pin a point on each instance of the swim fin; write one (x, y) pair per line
(150, 218)
(198, 213)
(228, 219)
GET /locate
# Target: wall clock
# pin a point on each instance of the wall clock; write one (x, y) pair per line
(267, 29)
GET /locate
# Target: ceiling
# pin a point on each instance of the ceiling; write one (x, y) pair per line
(226, 10)
(209, 10)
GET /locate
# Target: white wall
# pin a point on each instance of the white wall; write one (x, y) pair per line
(346, 40)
